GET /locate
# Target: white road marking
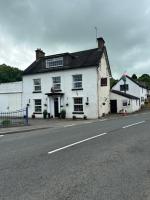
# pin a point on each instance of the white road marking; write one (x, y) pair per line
(133, 124)
(69, 125)
(73, 144)
(102, 120)
(1, 135)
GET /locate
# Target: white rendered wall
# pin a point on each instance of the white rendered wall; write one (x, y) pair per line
(89, 84)
(133, 105)
(10, 96)
(134, 89)
(104, 91)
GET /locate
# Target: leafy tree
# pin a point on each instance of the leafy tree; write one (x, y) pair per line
(134, 76)
(113, 82)
(9, 74)
(145, 78)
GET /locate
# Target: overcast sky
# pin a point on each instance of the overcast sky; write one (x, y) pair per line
(58, 26)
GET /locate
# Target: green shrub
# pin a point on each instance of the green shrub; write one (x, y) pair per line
(6, 122)
(63, 113)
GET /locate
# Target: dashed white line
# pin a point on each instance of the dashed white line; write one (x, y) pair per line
(69, 125)
(1, 135)
(73, 144)
(133, 124)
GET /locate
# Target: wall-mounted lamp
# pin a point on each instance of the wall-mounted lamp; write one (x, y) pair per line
(87, 101)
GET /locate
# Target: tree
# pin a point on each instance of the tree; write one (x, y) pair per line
(145, 78)
(10, 74)
(134, 76)
(113, 82)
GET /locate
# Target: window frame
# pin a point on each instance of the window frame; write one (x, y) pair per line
(54, 62)
(124, 102)
(104, 81)
(56, 83)
(39, 105)
(124, 87)
(37, 85)
(77, 106)
(75, 83)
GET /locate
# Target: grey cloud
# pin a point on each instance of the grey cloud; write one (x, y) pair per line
(59, 25)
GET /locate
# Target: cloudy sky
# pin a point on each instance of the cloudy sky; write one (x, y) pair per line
(58, 26)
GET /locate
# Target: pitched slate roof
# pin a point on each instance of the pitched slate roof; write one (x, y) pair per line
(124, 94)
(81, 59)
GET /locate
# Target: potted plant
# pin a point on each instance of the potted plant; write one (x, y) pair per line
(63, 114)
(45, 114)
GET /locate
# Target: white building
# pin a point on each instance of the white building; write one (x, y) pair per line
(10, 96)
(128, 85)
(77, 82)
(121, 102)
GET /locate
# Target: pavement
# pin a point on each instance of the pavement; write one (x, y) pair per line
(99, 160)
(38, 124)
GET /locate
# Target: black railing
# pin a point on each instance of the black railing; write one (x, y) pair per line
(15, 118)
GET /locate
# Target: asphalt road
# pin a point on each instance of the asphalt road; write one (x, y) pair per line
(103, 160)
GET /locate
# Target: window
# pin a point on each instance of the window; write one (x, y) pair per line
(38, 105)
(124, 103)
(77, 81)
(54, 62)
(142, 99)
(103, 81)
(78, 104)
(37, 85)
(124, 87)
(57, 83)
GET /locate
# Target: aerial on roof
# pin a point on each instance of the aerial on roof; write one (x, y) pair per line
(64, 61)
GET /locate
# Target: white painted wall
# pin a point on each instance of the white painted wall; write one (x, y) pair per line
(89, 83)
(134, 89)
(10, 96)
(104, 91)
(133, 105)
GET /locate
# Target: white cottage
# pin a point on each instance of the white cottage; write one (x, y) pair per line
(77, 82)
(130, 86)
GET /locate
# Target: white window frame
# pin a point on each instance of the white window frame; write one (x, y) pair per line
(56, 83)
(37, 85)
(37, 105)
(54, 62)
(78, 105)
(77, 84)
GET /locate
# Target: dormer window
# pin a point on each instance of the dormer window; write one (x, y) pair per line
(54, 62)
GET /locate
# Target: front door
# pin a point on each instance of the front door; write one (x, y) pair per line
(56, 110)
(113, 104)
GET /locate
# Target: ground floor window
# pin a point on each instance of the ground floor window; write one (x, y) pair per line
(124, 103)
(78, 104)
(38, 105)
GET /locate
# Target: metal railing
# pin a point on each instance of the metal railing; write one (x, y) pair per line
(15, 118)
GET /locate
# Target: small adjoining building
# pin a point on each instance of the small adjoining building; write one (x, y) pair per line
(128, 95)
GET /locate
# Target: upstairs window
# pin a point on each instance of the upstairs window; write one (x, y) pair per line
(103, 81)
(78, 104)
(124, 87)
(124, 102)
(77, 81)
(37, 85)
(57, 83)
(54, 62)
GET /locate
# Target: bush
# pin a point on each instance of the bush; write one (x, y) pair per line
(63, 114)
(45, 114)
(6, 122)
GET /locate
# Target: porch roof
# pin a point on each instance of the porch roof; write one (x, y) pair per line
(54, 94)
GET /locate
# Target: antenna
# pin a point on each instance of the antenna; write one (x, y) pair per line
(96, 31)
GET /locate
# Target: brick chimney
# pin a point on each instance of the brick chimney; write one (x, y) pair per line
(39, 54)
(101, 42)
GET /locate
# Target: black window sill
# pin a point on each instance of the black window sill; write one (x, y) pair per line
(36, 92)
(78, 113)
(77, 89)
(37, 113)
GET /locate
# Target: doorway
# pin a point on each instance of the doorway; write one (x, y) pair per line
(113, 106)
(56, 107)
